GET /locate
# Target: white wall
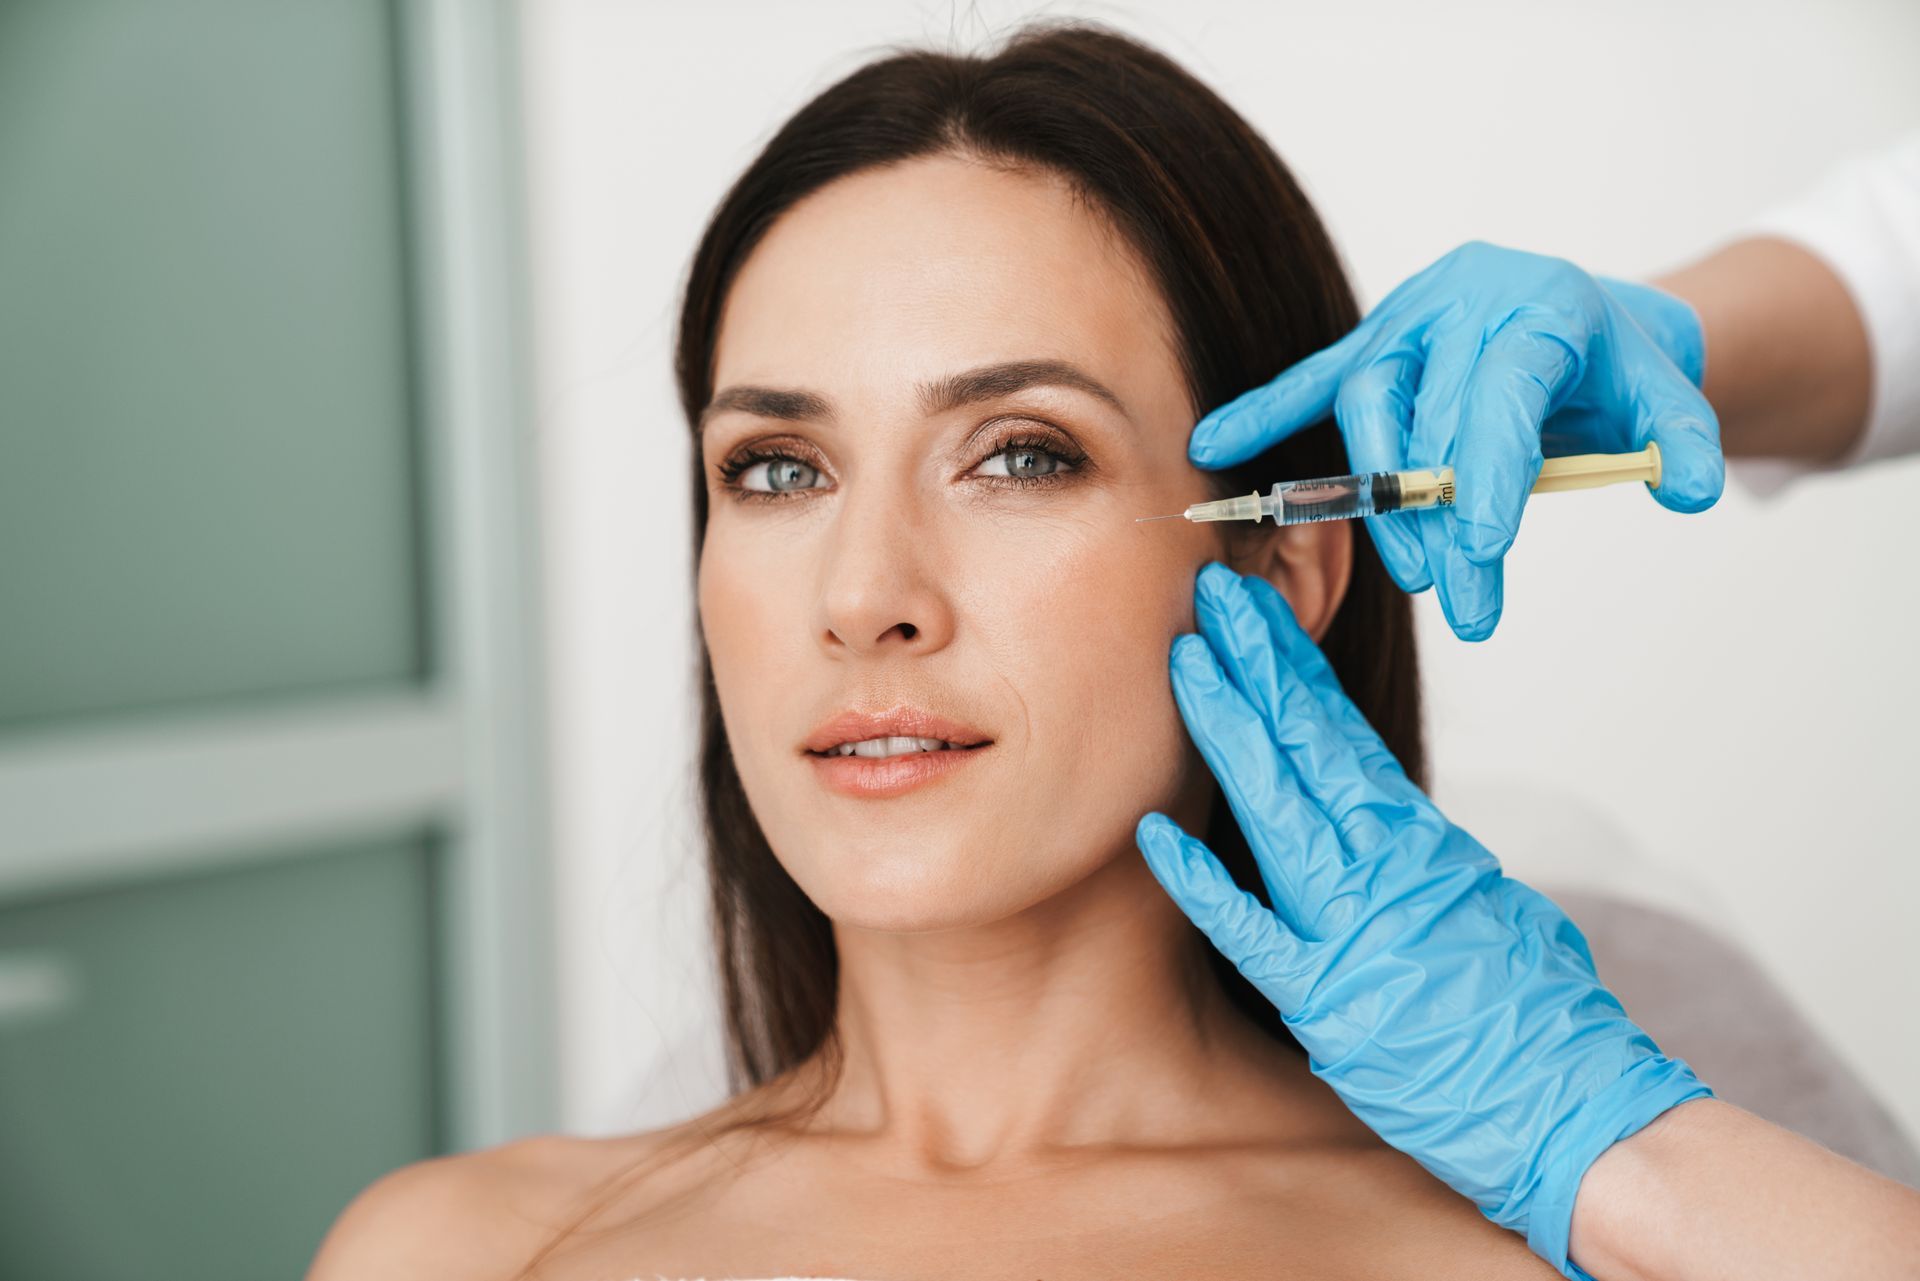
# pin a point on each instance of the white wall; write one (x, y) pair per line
(1718, 705)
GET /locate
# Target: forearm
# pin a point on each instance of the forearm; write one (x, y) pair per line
(1788, 365)
(1709, 1190)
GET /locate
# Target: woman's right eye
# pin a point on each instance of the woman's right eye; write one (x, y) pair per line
(776, 476)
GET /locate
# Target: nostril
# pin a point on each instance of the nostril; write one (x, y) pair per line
(908, 630)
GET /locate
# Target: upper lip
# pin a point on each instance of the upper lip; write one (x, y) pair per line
(896, 722)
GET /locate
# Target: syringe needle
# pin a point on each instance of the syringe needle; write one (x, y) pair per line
(1175, 516)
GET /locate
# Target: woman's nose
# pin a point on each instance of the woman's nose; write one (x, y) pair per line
(884, 581)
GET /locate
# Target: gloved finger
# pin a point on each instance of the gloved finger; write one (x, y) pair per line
(1693, 472)
(1311, 667)
(1293, 843)
(1259, 419)
(1471, 595)
(1435, 434)
(1668, 321)
(1521, 374)
(1328, 767)
(1237, 924)
(1375, 410)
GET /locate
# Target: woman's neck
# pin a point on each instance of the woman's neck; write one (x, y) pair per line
(1089, 1021)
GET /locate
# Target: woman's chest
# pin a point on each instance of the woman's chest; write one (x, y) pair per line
(1066, 1229)
(870, 1246)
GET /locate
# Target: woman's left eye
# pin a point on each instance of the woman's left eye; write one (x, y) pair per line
(1024, 462)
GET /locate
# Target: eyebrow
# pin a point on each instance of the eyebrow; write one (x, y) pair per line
(988, 382)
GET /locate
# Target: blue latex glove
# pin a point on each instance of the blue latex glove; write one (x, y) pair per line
(1456, 1011)
(1479, 361)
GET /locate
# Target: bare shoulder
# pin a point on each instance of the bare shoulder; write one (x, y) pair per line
(468, 1215)
(408, 1222)
(1409, 1220)
(1328, 1185)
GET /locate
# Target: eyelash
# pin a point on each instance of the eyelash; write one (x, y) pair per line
(734, 465)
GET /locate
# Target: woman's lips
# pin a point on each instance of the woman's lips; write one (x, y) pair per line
(902, 721)
(880, 776)
(875, 777)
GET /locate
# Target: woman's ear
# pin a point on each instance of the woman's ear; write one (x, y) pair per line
(1310, 565)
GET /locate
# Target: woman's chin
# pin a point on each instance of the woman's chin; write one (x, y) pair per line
(925, 891)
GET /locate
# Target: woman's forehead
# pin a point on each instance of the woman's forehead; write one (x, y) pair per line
(910, 271)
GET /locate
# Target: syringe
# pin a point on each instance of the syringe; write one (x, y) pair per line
(1296, 502)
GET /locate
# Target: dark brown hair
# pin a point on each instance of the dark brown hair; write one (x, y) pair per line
(1253, 284)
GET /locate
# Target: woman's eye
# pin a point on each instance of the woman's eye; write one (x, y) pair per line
(1024, 462)
(778, 476)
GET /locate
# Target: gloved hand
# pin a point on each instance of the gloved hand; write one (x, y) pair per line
(1454, 1010)
(1479, 361)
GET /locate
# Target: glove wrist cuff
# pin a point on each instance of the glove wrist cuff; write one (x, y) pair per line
(1641, 1094)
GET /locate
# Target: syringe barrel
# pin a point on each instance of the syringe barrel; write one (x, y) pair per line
(1367, 494)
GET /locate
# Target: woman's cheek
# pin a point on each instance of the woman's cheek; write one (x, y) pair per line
(1084, 628)
(742, 622)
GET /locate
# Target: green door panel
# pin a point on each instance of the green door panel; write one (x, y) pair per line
(197, 1074)
(207, 472)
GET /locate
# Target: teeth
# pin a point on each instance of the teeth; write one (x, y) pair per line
(893, 746)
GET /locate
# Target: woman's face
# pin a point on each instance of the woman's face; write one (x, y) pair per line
(943, 392)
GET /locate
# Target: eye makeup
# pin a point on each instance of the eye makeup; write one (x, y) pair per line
(1033, 436)
(1021, 434)
(767, 450)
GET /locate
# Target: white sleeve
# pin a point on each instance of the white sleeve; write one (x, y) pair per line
(1863, 221)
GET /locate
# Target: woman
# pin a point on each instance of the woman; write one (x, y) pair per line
(941, 344)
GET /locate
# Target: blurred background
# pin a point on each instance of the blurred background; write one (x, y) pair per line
(346, 645)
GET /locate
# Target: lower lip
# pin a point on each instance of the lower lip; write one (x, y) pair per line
(880, 776)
